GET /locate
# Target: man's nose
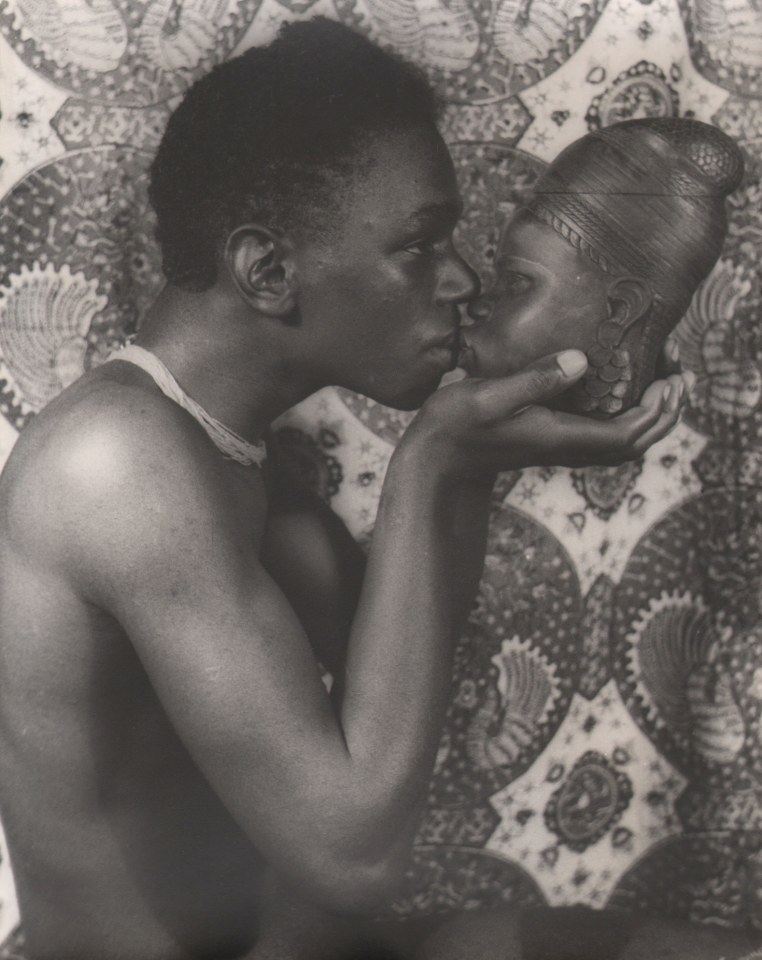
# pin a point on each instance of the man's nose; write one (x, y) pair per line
(459, 282)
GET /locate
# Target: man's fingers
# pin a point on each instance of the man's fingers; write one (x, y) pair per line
(505, 424)
(653, 418)
(614, 440)
(535, 384)
(668, 361)
(669, 416)
(627, 436)
(639, 419)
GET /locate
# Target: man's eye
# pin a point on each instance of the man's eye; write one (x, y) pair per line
(421, 247)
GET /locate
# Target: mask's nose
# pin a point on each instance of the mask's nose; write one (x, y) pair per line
(480, 309)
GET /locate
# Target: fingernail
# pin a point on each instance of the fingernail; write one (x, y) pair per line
(571, 362)
(689, 379)
(674, 352)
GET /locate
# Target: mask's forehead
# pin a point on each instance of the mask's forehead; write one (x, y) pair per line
(529, 244)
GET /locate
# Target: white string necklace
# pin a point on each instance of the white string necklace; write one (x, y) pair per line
(228, 442)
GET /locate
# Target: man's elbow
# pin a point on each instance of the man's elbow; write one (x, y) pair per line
(358, 887)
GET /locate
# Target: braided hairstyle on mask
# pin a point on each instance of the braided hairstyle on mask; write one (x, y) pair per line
(645, 198)
(642, 199)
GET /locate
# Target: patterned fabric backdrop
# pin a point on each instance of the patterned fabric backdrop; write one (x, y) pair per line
(604, 739)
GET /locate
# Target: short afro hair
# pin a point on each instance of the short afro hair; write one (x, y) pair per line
(272, 134)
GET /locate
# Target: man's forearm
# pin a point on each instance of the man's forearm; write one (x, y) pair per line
(424, 559)
(470, 538)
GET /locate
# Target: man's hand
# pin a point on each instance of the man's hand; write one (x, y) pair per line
(668, 363)
(475, 427)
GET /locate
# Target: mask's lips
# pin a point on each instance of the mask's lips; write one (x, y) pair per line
(457, 341)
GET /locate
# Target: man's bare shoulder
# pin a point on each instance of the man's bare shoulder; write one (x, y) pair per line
(112, 453)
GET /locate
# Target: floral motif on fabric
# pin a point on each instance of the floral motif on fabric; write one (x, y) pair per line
(591, 798)
(582, 814)
(478, 51)
(605, 488)
(726, 42)
(640, 91)
(720, 345)
(76, 240)
(127, 52)
(688, 599)
(45, 319)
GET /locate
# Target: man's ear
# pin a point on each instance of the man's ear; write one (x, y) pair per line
(629, 299)
(261, 264)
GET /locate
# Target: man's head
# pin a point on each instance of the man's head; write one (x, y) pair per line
(307, 183)
(608, 251)
(275, 135)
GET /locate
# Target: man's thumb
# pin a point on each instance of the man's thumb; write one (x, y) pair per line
(537, 383)
(572, 363)
(548, 376)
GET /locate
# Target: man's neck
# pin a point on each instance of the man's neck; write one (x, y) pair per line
(228, 361)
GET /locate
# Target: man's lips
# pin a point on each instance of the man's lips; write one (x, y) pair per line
(450, 346)
(465, 351)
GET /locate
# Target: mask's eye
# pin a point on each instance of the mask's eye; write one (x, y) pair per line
(514, 283)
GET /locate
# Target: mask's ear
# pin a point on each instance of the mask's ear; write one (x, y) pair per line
(629, 299)
(261, 265)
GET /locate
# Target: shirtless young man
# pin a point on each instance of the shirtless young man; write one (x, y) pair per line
(164, 731)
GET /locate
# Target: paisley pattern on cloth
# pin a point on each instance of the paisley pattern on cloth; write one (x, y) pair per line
(479, 51)
(726, 42)
(76, 242)
(45, 318)
(131, 53)
(603, 742)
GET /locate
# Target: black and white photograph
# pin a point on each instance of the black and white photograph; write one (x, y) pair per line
(380, 480)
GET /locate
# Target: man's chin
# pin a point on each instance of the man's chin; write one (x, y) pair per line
(407, 404)
(452, 376)
(413, 399)
(487, 371)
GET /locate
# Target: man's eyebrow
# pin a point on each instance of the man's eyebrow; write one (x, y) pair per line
(447, 211)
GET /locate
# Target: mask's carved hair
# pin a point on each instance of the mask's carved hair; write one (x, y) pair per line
(645, 198)
(642, 199)
(275, 135)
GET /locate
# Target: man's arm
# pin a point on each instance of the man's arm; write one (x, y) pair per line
(154, 533)
(155, 536)
(318, 565)
(312, 557)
